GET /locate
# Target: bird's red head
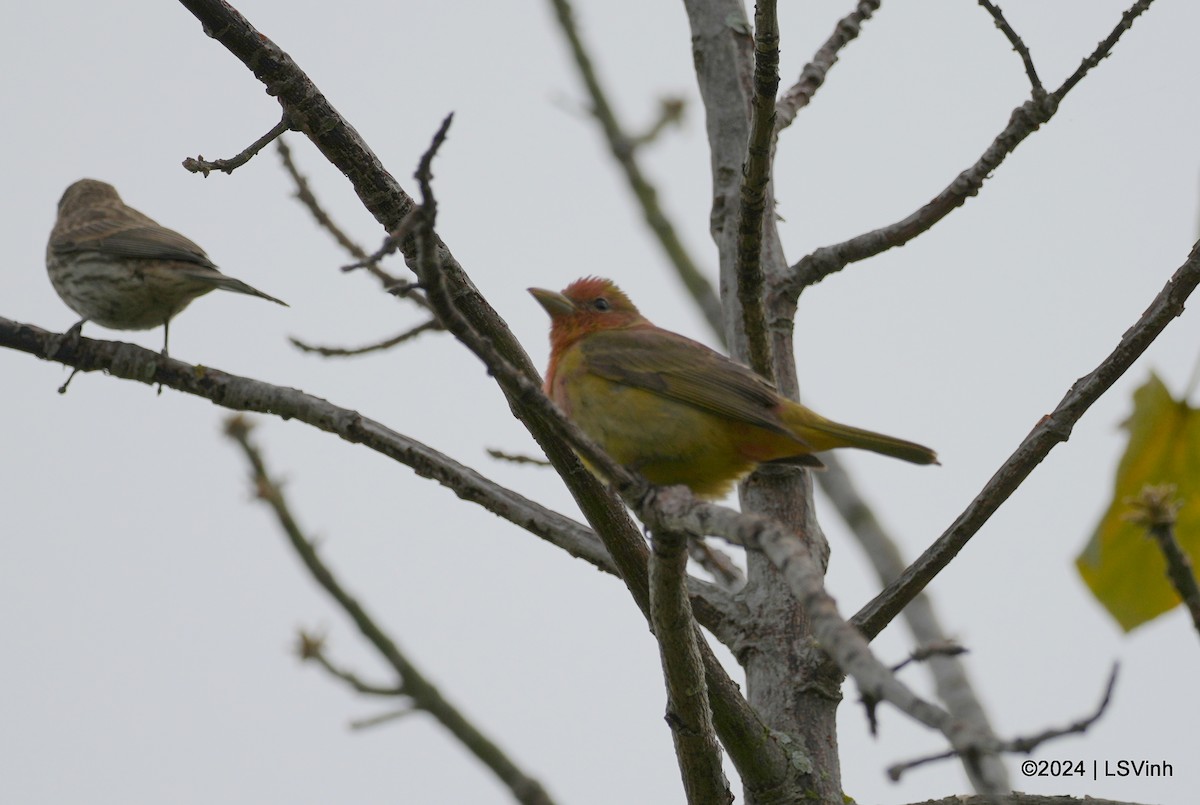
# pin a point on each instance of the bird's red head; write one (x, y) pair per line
(586, 306)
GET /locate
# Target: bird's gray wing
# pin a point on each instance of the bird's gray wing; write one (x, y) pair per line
(150, 242)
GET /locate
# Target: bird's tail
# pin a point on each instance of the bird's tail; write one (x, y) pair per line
(823, 434)
(227, 283)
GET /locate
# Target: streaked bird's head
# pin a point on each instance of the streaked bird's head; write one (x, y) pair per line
(87, 192)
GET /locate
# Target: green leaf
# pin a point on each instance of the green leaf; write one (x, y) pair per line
(1121, 564)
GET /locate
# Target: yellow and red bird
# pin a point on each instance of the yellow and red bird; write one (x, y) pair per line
(673, 409)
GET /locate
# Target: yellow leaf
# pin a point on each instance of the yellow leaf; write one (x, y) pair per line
(1121, 564)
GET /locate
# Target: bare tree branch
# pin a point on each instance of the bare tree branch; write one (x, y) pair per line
(670, 613)
(756, 177)
(382, 718)
(131, 362)
(813, 75)
(688, 712)
(383, 197)
(201, 165)
(952, 682)
(1022, 745)
(675, 508)
(1032, 742)
(1048, 432)
(792, 683)
(515, 458)
(312, 649)
(305, 196)
(378, 346)
(718, 564)
(1035, 83)
(420, 691)
(762, 763)
(756, 759)
(391, 244)
(1105, 47)
(1024, 121)
(928, 651)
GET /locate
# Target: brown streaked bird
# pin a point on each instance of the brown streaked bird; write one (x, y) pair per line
(673, 409)
(120, 269)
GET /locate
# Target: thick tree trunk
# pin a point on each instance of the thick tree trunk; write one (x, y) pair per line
(789, 680)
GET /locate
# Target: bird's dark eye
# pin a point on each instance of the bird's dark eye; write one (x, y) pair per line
(601, 304)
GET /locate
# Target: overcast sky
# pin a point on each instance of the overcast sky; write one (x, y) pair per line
(148, 603)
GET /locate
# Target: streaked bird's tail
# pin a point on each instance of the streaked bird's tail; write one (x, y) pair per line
(228, 283)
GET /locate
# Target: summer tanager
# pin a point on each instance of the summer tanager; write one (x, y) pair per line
(673, 409)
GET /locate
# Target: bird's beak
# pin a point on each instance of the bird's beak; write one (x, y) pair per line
(555, 303)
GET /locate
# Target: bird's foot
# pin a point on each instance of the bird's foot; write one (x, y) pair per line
(68, 340)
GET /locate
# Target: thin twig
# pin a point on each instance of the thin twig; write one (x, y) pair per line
(929, 651)
(1035, 83)
(305, 196)
(622, 148)
(756, 178)
(896, 770)
(828, 260)
(382, 718)
(1030, 743)
(1156, 509)
(514, 458)
(1048, 432)
(950, 678)
(1105, 47)
(1022, 745)
(391, 244)
(800, 94)
(431, 276)
(200, 165)
(718, 564)
(420, 691)
(1024, 121)
(387, 343)
(354, 680)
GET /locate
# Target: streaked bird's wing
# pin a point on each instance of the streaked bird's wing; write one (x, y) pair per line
(119, 239)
